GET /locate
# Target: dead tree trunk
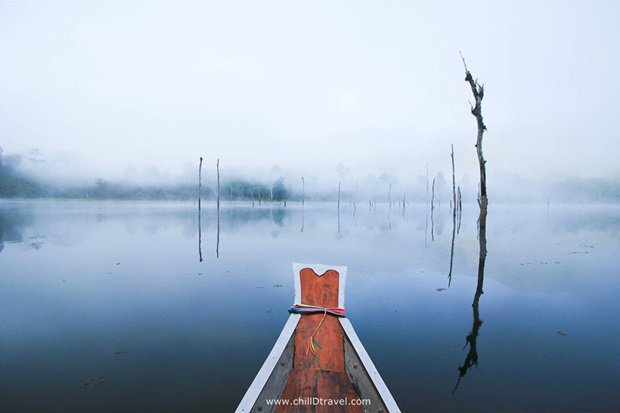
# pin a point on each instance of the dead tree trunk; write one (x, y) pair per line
(476, 110)
(471, 339)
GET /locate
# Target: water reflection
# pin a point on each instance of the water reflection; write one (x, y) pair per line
(278, 214)
(199, 233)
(472, 355)
(217, 241)
(166, 309)
(303, 215)
(452, 249)
(432, 224)
(456, 226)
(339, 216)
(426, 229)
(11, 222)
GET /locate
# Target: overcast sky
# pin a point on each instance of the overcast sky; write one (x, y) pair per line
(116, 88)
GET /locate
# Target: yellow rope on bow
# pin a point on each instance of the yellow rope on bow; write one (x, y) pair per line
(312, 342)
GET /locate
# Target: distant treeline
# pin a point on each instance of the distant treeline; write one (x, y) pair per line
(578, 189)
(12, 184)
(15, 185)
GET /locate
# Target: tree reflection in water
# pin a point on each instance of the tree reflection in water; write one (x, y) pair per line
(472, 355)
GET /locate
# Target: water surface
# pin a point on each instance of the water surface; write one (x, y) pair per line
(106, 306)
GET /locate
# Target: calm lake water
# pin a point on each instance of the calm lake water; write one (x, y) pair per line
(105, 306)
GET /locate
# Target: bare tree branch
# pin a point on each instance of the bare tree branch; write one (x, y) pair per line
(478, 91)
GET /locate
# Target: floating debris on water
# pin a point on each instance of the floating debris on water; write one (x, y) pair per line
(260, 286)
(560, 333)
(119, 352)
(440, 289)
(277, 286)
(92, 381)
(269, 311)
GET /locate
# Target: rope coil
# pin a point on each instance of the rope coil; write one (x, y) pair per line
(305, 309)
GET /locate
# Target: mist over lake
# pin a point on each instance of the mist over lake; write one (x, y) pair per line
(163, 165)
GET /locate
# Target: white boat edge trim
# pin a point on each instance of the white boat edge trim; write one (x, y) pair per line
(268, 366)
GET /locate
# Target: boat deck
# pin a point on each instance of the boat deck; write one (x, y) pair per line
(322, 376)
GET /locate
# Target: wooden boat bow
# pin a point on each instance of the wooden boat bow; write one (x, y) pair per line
(318, 363)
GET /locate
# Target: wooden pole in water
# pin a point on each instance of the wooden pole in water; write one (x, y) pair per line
(432, 209)
(199, 212)
(338, 196)
(433, 196)
(217, 165)
(303, 191)
(355, 199)
(453, 182)
(217, 245)
(454, 206)
(338, 207)
(199, 181)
